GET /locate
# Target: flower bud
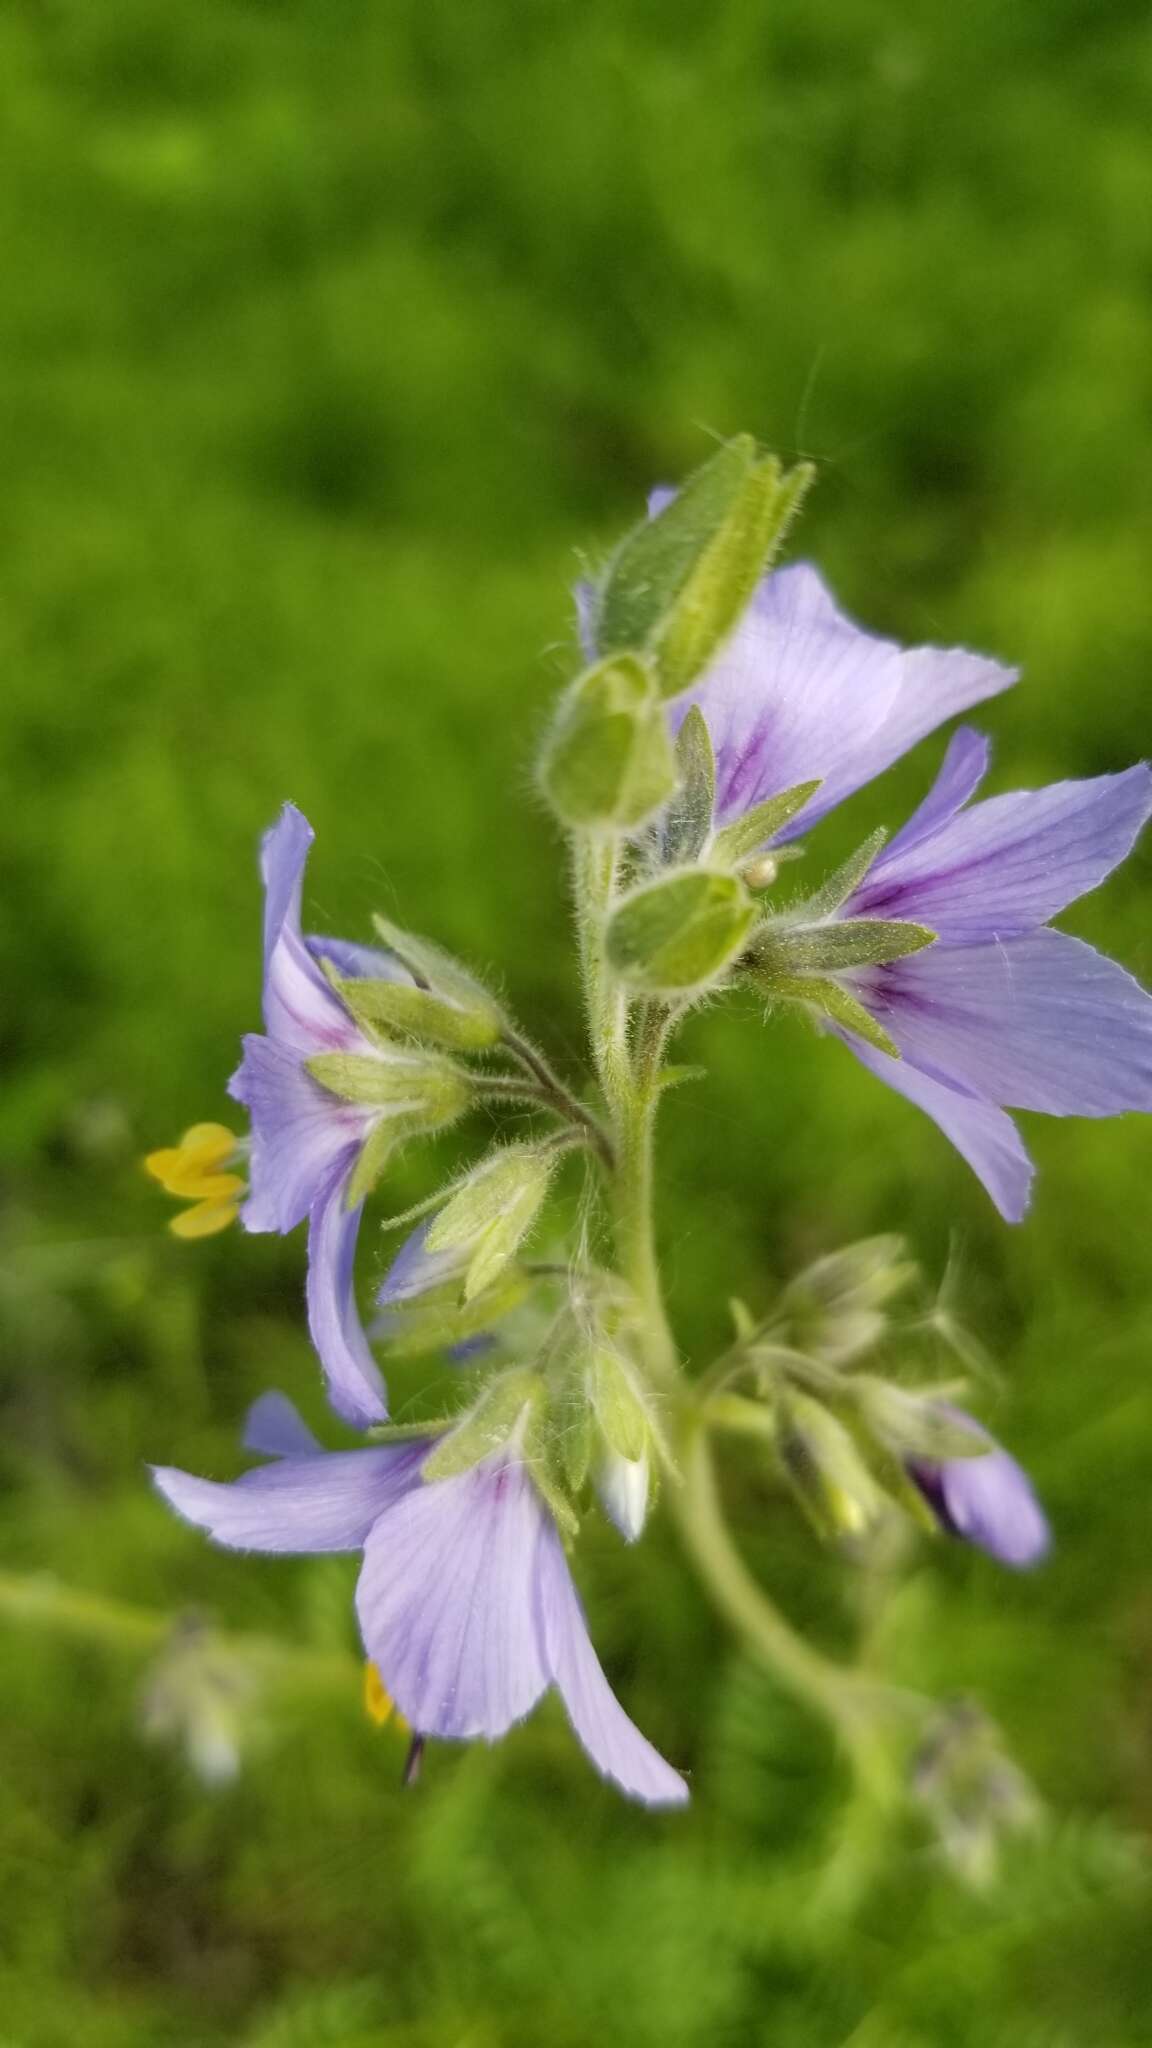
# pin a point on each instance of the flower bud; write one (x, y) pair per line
(608, 761)
(621, 1462)
(678, 585)
(678, 935)
(825, 1469)
(490, 1213)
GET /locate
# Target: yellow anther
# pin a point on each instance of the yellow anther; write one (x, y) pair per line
(192, 1169)
(378, 1704)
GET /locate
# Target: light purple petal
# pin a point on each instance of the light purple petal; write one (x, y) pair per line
(447, 1605)
(300, 1504)
(299, 1131)
(1009, 864)
(1041, 1022)
(299, 1007)
(613, 1742)
(800, 692)
(355, 1387)
(988, 1501)
(962, 771)
(982, 1134)
(358, 963)
(415, 1269)
(275, 1428)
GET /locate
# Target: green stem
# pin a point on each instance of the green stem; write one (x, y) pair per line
(696, 1505)
(553, 1091)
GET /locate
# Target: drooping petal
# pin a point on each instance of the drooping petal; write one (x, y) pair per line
(275, 1428)
(447, 1603)
(415, 1269)
(800, 692)
(1041, 1022)
(962, 770)
(355, 1387)
(299, 1131)
(982, 1134)
(988, 1501)
(613, 1742)
(1011, 863)
(299, 1007)
(328, 1501)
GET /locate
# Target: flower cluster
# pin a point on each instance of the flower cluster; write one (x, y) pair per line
(728, 706)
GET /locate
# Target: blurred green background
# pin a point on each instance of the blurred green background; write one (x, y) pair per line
(333, 331)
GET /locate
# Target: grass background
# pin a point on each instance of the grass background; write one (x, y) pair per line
(331, 333)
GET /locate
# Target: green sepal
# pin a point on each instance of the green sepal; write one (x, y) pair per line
(688, 819)
(844, 879)
(375, 1153)
(400, 1010)
(409, 1432)
(747, 835)
(608, 762)
(654, 562)
(832, 1001)
(823, 1465)
(541, 1455)
(487, 1426)
(726, 572)
(431, 1092)
(852, 942)
(914, 1426)
(491, 1212)
(572, 1416)
(442, 1320)
(440, 972)
(678, 934)
(620, 1412)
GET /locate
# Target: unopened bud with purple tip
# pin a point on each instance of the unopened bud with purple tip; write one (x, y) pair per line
(987, 1500)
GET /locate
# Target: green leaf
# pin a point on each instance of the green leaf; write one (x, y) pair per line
(677, 935)
(654, 562)
(608, 761)
(726, 572)
(402, 1011)
(832, 1001)
(840, 884)
(688, 819)
(855, 942)
(747, 835)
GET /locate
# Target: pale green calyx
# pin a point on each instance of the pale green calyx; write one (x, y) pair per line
(825, 1469)
(677, 936)
(608, 761)
(502, 1410)
(678, 584)
(915, 1425)
(490, 1213)
(687, 825)
(396, 1083)
(456, 1010)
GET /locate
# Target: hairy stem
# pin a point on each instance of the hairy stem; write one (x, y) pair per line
(560, 1097)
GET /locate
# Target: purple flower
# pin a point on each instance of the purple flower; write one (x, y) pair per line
(1002, 1012)
(465, 1601)
(800, 692)
(307, 1141)
(987, 1500)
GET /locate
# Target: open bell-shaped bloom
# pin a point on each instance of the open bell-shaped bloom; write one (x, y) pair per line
(986, 1500)
(306, 1140)
(1002, 1012)
(466, 1604)
(799, 693)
